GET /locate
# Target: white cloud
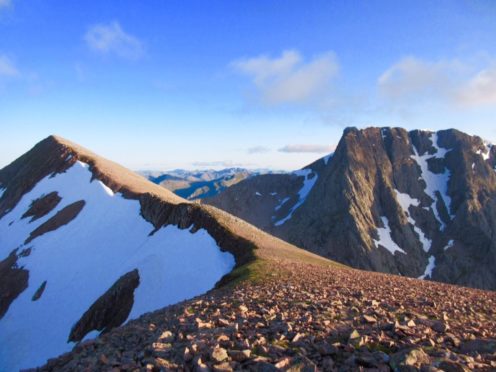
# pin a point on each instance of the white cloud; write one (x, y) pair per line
(480, 90)
(307, 148)
(263, 68)
(458, 84)
(112, 39)
(7, 67)
(412, 76)
(288, 79)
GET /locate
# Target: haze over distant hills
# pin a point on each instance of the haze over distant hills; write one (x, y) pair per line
(199, 184)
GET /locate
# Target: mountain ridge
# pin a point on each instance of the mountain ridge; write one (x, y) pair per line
(120, 240)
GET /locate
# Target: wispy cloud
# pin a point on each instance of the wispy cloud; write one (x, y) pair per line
(307, 148)
(7, 67)
(112, 39)
(480, 90)
(258, 150)
(288, 78)
(26, 79)
(452, 82)
(412, 76)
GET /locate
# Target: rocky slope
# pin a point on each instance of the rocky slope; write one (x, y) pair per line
(303, 316)
(418, 203)
(86, 245)
(194, 185)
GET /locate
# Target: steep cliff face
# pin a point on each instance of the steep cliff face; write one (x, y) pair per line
(418, 203)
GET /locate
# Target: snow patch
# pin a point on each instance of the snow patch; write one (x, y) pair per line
(107, 189)
(440, 151)
(327, 157)
(273, 193)
(308, 184)
(91, 335)
(2, 191)
(84, 165)
(486, 154)
(83, 259)
(435, 182)
(258, 194)
(283, 201)
(428, 270)
(406, 201)
(449, 245)
(383, 133)
(385, 238)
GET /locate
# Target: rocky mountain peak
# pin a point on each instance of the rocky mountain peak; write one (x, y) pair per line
(418, 203)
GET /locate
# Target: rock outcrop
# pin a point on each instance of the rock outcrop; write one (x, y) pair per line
(110, 310)
(14, 280)
(61, 218)
(42, 206)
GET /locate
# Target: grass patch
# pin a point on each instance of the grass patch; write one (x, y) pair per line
(254, 272)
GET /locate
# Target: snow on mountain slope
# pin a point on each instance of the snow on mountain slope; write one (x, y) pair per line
(486, 152)
(385, 239)
(435, 183)
(406, 201)
(430, 266)
(309, 178)
(79, 259)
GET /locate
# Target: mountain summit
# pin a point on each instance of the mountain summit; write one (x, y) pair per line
(418, 203)
(86, 245)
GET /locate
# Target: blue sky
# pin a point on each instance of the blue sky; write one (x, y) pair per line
(272, 84)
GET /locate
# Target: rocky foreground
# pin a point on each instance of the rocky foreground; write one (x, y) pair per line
(311, 317)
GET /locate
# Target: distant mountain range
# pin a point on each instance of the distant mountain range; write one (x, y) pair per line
(418, 203)
(199, 184)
